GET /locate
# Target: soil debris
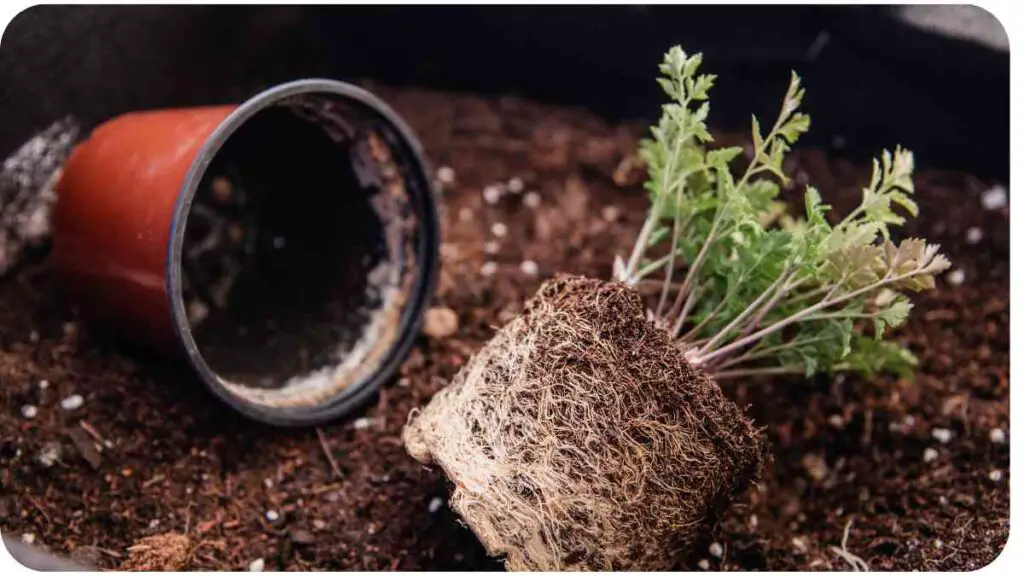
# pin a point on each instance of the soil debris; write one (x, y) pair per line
(85, 446)
(440, 322)
(168, 552)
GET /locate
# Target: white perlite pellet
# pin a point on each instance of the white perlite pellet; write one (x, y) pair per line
(943, 435)
(72, 402)
(435, 504)
(28, 538)
(800, 544)
(956, 277)
(974, 235)
(610, 213)
(272, 515)
(515, 185)
(488, 269)
(930, 454)
(997, 436)
(44, 384)
(499, 229)
(492, 247)
(50, 454)
(257, 565)
(362, 423)
(29, 411)
(704, 564)
(492, 194)
(445, 175)
(994, 198)
(531, 200)
(715, 550)
(995, 475)
(529, 267)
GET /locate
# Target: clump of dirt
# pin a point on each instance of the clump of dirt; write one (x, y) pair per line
(580, 438)
(160, 553)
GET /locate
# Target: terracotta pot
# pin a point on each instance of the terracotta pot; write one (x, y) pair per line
(286, 247)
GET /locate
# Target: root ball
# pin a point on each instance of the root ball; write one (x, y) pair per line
(580, 438)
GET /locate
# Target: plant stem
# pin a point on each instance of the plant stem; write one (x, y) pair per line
(691, 274)
(758, 353)
(825, 303)
(840, 316)
(732, 292)
(652, 267)
(767, 371)
(765, 143)
(670, 266)
(769, 306)
(655, 215)
(690, 301)
(724, 332)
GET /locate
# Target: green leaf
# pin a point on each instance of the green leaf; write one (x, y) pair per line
(723, 156)
(692, 63)
(758, 269)
(756, 131)
(870, 357)
(795, 126)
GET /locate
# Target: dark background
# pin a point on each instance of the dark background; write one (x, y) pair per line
(874, 82)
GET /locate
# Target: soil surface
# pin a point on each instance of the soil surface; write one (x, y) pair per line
(915, 473)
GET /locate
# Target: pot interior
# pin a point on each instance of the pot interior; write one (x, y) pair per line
(299, 252)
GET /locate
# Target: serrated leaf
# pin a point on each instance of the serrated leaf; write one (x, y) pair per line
(658, 235)
(692, 63)
(669, 87)
(756, 132)
(795, 126)
(897, 312)
(723, 156)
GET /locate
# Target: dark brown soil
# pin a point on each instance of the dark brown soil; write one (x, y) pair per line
(848, 452)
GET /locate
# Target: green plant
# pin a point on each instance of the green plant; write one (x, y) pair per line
(749, 289)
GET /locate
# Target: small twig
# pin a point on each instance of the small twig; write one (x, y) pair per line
(327, 452)
(93, 433)
(323, 489)
(110, 553)
(153, 480)
(38, 507)
(856, 562)
(865, 438)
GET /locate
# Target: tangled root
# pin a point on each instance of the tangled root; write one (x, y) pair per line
(579, 437)
(160, 553)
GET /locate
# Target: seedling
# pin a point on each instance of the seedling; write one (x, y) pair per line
(590, 432)
(744, 287)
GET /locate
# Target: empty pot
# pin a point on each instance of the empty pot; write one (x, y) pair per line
(286, 247)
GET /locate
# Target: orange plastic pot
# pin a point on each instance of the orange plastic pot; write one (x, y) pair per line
(313, 195)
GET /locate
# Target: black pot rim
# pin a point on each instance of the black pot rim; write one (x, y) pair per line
(352, 397)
